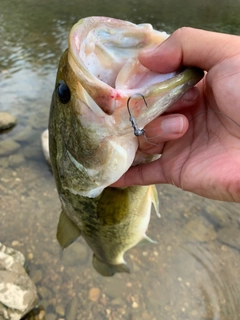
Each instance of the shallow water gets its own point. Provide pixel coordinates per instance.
(193, 271)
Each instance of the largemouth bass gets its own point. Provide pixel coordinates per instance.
(91, 139)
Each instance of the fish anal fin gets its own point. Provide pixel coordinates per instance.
(108, 270)
(67, 232)
(155, 199)
(146, 240)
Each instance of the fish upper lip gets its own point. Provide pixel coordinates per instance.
(108, 97)
(100, 50)
(110, 78)
(119, 90)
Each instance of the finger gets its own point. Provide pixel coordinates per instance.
(190, 47)
(160, 130)
(145, 174)
(187, 100)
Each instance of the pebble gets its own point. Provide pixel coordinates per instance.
(103, 300)
(4, 163)
(114, 288)
(134, 305)
(15, 243)
(71, 311)
(30, 256)
(24, 135)
(32, 151)
(118, 302)
(36, 275)
(94, 294)
(200, 230)
(44, 293)
(44, 304)
(60, 310)
(8, 147)
(146, 316)
(16, 159)
(41, 315)
(194, 313)
(51, 316)
(75, 254)
(37, 121)
(7, 121)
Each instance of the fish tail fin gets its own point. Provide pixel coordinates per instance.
(109, 270)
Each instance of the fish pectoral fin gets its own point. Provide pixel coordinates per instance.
(155, 199)
(67, 232)
(146, 240)
(109, 270)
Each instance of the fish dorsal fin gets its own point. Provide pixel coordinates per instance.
(155, 199)
(146, 240)
(67, 232)
(108, 270)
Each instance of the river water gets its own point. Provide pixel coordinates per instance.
(193, 271)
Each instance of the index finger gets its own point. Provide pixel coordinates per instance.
(190, 47)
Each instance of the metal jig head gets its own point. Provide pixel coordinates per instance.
(138, 132)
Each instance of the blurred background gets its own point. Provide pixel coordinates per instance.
(193, 271)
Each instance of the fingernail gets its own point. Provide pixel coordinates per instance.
(148, 51)
(190, 95)
(172, 125)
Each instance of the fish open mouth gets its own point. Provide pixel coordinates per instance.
(107, 48)
(103, 54)
(102, 72)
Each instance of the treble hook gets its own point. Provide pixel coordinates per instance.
(138, 132)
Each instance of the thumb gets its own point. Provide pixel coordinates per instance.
(190, 47)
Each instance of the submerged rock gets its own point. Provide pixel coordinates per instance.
(8, 146)
(26, 134)
(17, 292)
(15, 159)
(71, 311)
(7, 121)
(32, 151)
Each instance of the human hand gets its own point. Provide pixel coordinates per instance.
(205, 157)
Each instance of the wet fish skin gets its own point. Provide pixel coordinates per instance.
(107, 222)
(113, 223)
(92, 143)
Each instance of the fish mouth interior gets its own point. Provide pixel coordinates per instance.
(108, 53)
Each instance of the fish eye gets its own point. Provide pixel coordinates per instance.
(63, 91)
